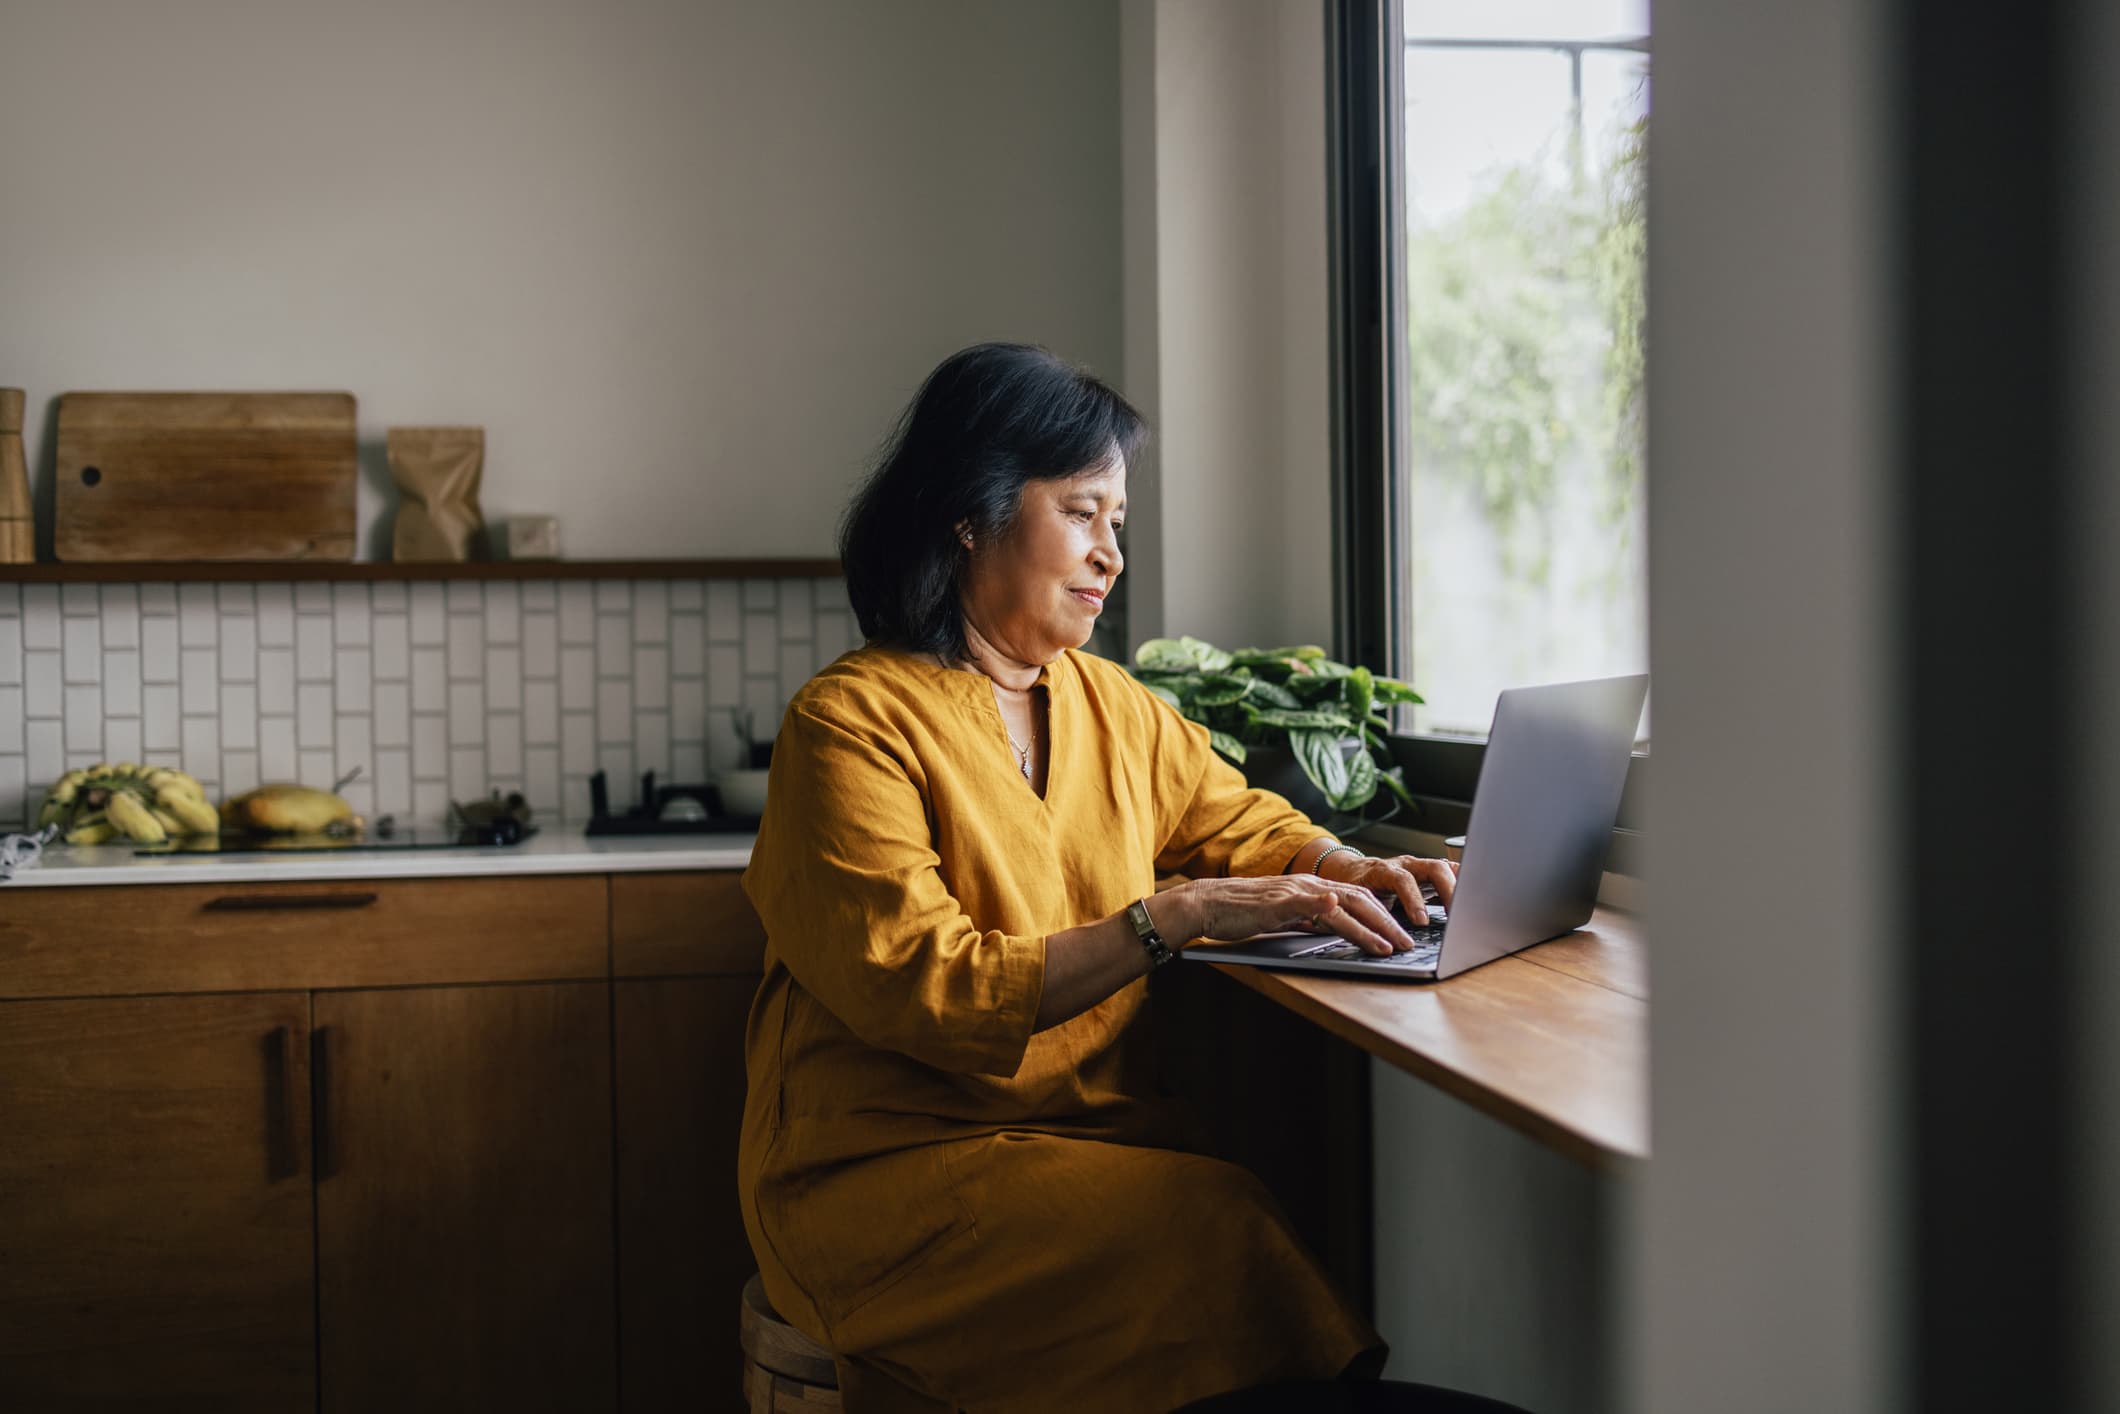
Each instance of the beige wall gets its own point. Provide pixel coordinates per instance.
(683, 260)
(1227, 316)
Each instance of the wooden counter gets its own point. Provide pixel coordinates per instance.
(1553, 1041)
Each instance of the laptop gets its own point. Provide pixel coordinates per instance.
(1542, 818)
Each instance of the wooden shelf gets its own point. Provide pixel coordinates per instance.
(140, 571)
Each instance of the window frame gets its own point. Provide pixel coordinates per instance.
(1365, 108)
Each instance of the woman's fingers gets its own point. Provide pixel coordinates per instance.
(1362, 919)
(1439, 872)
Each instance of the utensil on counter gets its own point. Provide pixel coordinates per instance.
(205, 476)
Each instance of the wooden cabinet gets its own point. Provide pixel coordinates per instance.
(464, 1243)
(156, 1241)
(451, 1144)
(687, 952)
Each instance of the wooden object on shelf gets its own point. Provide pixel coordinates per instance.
(366, 570)
(18, 533)
(205, 476)
(437, 472)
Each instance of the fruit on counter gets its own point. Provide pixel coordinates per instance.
(290, 809)
(113, 800)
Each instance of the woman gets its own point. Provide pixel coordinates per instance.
(955, 1170)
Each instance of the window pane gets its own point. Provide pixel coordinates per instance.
(1523, 532)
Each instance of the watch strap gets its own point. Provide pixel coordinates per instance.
(1159, 952)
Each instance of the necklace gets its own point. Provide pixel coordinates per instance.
(1023, 755)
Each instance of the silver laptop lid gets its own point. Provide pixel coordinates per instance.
(1542, 816)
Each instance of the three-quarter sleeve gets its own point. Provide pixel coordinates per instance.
(1212, 821)
(847, 881)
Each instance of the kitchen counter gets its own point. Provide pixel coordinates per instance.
(552, 851)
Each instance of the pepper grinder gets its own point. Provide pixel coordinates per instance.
(18, 540)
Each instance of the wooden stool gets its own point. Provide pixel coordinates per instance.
(784, 1371)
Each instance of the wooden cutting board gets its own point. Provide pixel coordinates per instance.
(205, 476)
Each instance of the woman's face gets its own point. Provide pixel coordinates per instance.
(1039, 590)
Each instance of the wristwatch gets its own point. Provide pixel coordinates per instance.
(1159, 952)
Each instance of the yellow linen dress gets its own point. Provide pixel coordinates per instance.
(995, 1219)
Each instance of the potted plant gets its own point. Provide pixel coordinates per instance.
(1297, 722)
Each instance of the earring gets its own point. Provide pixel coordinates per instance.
(967, 539)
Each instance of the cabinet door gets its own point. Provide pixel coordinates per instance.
(156, 1238)
(683, 1256)
(464, 1198)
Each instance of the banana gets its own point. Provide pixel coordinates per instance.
(170, 823)
(130, 814)
(197, 816)
(289, 809)
(95, 833)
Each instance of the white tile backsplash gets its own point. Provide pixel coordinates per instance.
(41, 681)
(202, 680)
(276, 680)
(312, 716)
(435, 689)
(121, 685)
(84, 649)
(393, 647)
(724, 612)
(312, 647)
(84, 718)
(158, 650)
(430, 680)
(239, 648)
(121, 616)
(467, 713)
(198, 615)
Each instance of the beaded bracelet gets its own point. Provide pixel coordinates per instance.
(1317, 865)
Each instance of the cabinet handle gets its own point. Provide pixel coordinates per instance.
(280, 1161)
(229, 903)
(327, 1160)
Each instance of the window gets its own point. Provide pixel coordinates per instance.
(1518, 549)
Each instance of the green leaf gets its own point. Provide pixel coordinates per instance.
(1163, 655)
(1390, 780)
(1318, 689)
(1361, 783)
(1327, 668)
(1389, 690)
(1361, 689)
(1228, 745)
(1312, 720)
(1207, 657)
(1166, 694)
(1253, 657)
(1220, 689)
(1273, 694)
(1319, 755)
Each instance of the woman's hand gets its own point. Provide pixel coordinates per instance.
(1231, 909)
(1402, 875)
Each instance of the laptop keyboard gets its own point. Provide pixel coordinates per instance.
(1427, 947)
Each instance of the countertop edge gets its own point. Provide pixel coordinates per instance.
(77, 869)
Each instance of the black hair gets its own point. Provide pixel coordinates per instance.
(987, 422)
